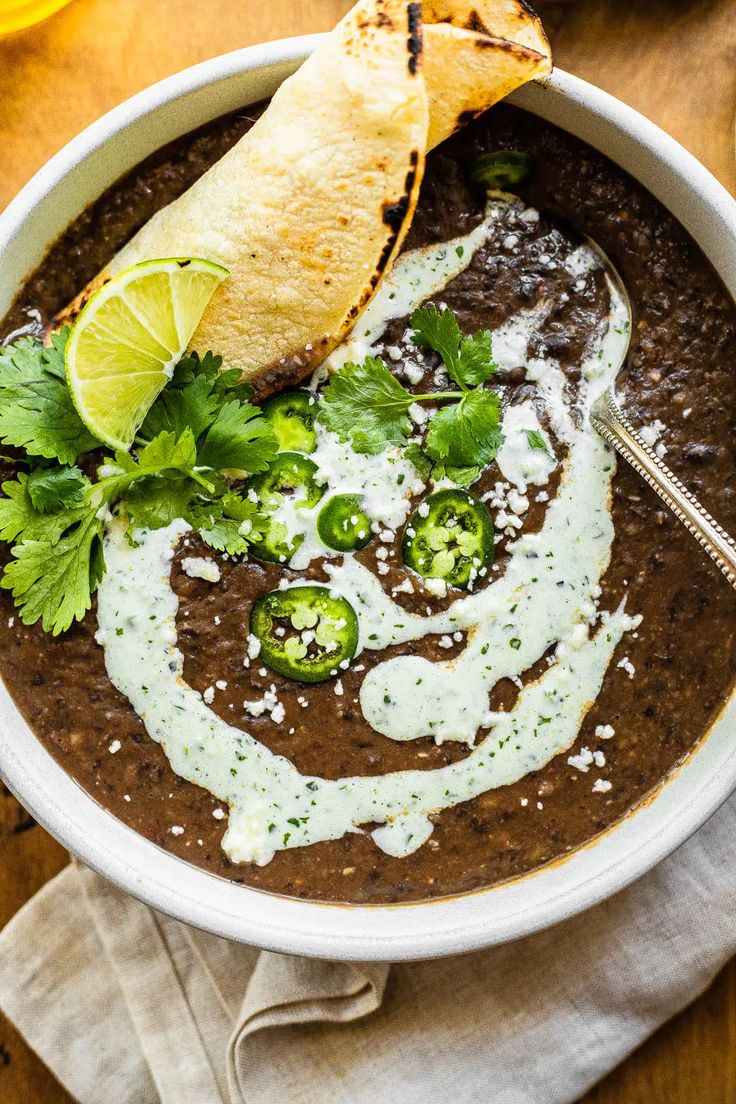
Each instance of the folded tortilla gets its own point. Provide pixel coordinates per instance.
(309, 209)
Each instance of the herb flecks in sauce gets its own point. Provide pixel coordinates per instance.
(550, 582)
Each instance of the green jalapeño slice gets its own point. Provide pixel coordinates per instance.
(449, 536)
(291, 415)
(343, 524)
(288, 485)
(307, 633)
(502, 170)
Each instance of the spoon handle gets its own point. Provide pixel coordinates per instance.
(609, 420)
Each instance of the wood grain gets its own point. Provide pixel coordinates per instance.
(674, 60)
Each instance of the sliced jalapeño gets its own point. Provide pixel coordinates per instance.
(307, 633)
(342, 523)
(450, 537)
(502, 170)
(288, 485)
(291, 415)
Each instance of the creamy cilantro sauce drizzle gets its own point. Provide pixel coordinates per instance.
(544, 603)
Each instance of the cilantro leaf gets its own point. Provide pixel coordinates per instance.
(226, 384)
(475, 362)
(52, 580)
(36, 409)
(192, 400)
(239, 524)
(419, 459)
(56, 488)
(365, 404)
(156, 501)
(469, 360)
(192, 365)
(165, 451)
(467, 434)
(19, 515)
(193, 407)
(535, 440)
(438, 330)
(464, 477)
(239, 439)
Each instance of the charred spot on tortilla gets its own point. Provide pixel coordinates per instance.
(491, 43)
(467, 117)
(414, 41)
(394, 213)
(475, 23)
(380, 18)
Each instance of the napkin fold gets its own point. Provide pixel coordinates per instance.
(127, 1005)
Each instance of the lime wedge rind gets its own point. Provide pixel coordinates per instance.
(127, 329)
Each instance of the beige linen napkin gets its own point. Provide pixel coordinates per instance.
(126, 1005)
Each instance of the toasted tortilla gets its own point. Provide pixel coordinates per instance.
(509, 19)
(310, 206)
(309, 209)
(476, 52)
(467, 72)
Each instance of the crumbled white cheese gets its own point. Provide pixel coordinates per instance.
(269, 703)
(599, 758)
(582, 761)
(650, 434)
(176, 830)
(209, 695)
(114, 746)
(602, 785)
(404, 587)
(437, 587)
(218, 813)
(196, 567)
(413, 372)
(627, 666)
(605, 732)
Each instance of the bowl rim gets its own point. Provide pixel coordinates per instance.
(413, 930)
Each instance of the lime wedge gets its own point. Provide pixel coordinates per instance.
(126, 341)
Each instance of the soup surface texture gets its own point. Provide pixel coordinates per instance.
(479, 696)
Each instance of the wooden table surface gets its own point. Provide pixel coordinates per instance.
(674, 60)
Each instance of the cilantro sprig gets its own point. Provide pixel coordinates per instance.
(367, 405)
(199, 439)
(36, 410)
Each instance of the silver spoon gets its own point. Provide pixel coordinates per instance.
(609, 419)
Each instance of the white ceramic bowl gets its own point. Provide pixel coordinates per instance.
(56, 195)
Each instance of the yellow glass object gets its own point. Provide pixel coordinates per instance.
(17, 14)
